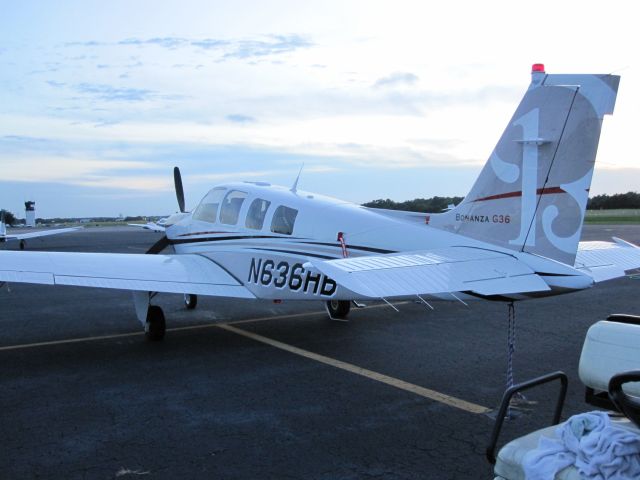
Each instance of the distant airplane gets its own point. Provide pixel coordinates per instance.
(4, 237)
(515, 235)
(155, 226)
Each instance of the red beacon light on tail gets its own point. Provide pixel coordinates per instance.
(537, 68)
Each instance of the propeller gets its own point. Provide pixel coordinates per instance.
(159, 245)
(177, 179)
(164, 241)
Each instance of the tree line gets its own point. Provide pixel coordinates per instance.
(8, 217)
(431, 205)
(619, 200)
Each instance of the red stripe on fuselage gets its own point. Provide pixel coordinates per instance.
(201, 233)
(540, 191)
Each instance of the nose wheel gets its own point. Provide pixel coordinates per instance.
(190, 301)
(155, 327)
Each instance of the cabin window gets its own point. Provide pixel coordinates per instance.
(257, 212)
(283, 220)
(207, 211)
(231, 207)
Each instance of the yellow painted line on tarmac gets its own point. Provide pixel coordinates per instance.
(174, 329)
(229, 326)
(69, 340)
(379, 377)
(139, 333)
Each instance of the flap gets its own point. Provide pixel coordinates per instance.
(452, 269)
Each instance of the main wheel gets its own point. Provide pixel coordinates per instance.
(338, 308)
(156, 326)
(190, 301)
(22, 244)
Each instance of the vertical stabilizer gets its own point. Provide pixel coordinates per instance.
(532, 193)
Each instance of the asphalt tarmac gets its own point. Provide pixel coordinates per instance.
(256, 390)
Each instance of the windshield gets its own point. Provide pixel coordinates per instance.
(207, 211)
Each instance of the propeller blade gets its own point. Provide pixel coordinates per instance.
(177, 179)
(159, 246)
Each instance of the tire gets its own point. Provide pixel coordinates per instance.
(190, 301)
(156, 326)
(22, 244)
(338, 308)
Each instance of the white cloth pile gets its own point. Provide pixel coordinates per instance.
(597, 449)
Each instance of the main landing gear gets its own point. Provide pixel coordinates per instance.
(152, 316)
(155, 326)
(338, 309)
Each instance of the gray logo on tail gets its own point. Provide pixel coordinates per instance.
(532, 193)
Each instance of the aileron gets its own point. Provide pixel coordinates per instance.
(194, 274)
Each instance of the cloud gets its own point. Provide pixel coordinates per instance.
(239, 118)
(210, 43)
(114, 94)
(273, 45)
(397, 78)
(88, 43)
(166, 42)
(76, 170)
(229, 49)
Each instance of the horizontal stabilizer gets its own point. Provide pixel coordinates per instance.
(193, 274)
(607, 260)
(454, 269)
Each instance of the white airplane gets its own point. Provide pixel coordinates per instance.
(154, 226)
(515, 235)
(5, 237)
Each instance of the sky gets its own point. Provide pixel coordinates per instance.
(395, 99)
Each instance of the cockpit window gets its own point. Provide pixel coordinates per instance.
(283, 220)
(207, 211)
(257, 211)
(231, 207)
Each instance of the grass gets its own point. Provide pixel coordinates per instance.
(612, 217)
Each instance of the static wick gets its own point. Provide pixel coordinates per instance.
(459, 299)
(385, 301)
(425, 302)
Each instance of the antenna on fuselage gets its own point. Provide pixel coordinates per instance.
(294, 189)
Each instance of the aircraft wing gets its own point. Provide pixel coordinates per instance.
(191, 273)
(452, 269)
(41, 233)
(607, 260)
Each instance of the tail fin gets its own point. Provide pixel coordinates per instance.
(532, 193)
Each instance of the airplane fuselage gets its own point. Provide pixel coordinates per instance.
(272, 258)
